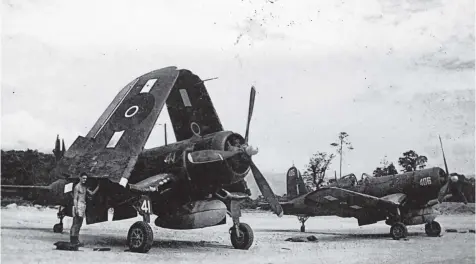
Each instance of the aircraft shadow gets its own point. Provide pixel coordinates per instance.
(332, 236)
(120, 241)
(179, 244)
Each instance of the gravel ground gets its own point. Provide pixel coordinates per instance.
(27, 237)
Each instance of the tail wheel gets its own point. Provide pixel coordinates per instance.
(433, 229)
(244, 239)
(140, 237)
(398, 231)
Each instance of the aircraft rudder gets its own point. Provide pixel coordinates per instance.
(291, 182)
(302, 189)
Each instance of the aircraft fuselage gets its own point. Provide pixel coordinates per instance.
(420, 187)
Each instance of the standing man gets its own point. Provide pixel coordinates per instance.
(79, 209)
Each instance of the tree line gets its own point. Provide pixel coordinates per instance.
(30, 167)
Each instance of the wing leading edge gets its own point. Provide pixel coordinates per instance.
(112, 146)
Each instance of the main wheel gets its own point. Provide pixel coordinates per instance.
(58, 228)
(244, 239)
(140, 237)
(303, 228)
(398, 230)
(433, 229)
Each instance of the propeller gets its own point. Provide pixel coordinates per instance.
(453, 184)
(206, 156)
(258, 176)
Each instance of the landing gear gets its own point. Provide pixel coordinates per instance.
(433, 229)
(58, 228)
(140, 237)
(241, 236)
(398, 231)
(303, 220)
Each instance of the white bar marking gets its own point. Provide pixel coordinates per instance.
(123, 182)
(148, 85)
(114, 139)
(355, 207)
(68, 187)
(185, 98)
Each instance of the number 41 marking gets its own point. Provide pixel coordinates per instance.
(145, 206)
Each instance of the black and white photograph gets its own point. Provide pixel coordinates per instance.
(240, 131)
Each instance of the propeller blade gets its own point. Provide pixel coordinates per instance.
(443, 191)
(266, 190)
(444, 159)
(250, 111)
(461, 194)
(206, 156)
(458, 188)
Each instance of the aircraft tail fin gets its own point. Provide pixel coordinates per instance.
(295, 183)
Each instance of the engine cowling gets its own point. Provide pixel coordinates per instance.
(224, 172)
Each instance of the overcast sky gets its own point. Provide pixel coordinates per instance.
(392, 74)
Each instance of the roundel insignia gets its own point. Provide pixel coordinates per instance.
(195, 128)
(292, 172)
(132, 111)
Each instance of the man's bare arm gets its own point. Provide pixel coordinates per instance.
(95, 190)
(75, 197)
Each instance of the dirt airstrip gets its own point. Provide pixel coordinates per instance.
(27, 237)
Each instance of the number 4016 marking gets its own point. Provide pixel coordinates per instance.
(425, 181)
(145, 206)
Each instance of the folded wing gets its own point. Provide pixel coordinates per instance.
(111, 147)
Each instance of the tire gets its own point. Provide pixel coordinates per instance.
(140, 237)
(246, 237)
(303, 228)
(58, 228)
(398, 231)
(433, 229)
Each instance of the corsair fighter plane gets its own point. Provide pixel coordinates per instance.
(193, 183)
(401, 199)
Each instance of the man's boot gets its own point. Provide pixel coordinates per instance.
(74, 240)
